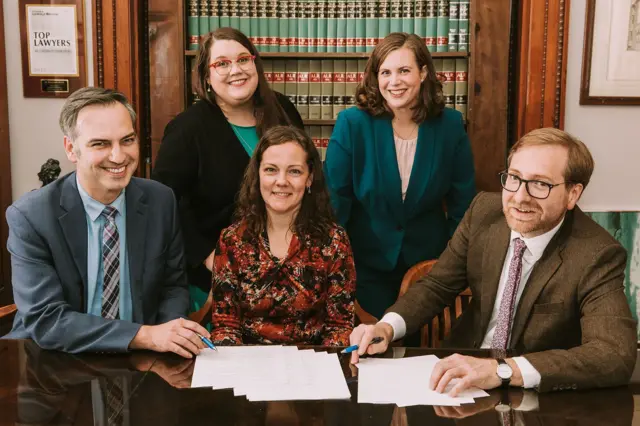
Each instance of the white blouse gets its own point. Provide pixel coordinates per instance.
(405, 152)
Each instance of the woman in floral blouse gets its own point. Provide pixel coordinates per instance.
(284, 272)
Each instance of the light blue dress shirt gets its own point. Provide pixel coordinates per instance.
(95, 225)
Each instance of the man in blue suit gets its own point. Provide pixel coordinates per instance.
(97, 256)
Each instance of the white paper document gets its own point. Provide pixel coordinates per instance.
(405, 382)
(271, 373)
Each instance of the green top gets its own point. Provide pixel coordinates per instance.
(248, 137)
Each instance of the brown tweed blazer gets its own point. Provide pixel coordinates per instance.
(573, 322)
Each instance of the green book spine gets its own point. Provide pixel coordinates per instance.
(234, 12)
(384, 23)
(361, 26)
(463, 26)
(332, 25)
(396, 16)
(278, 76)
(214, 15)
(326, 136)
(431, 25)
(283, 25)
(315, 133)
(267, 66)
(203, 18)
(362, 64)
(272, 13)
(303, 88)
(341, 23)
(263, 26)
(442, 42)
(253, 22)
(339, 85)
(291, 81)
(225, 18)
(293, 26)
(351, 83)
(408, 15)
(437, 64)
(461, 87)
(193, 30)
(351, 26)
(322, 25)
(326, 110)
(303, 26)
(454, 19)
(245, 19)
(419, 19)
(315, 90)
(448, 84)
(371, 25)
(312, 16)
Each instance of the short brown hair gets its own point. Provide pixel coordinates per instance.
(580, 163)
(368, 96)
(315, 217)
(268, 110)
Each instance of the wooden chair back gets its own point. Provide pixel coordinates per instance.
(6, 318)
(439, 328)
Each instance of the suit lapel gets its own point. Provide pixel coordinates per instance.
(74, 227)
(542, 272)
(136, 233)
(495, 252)
(422, 167)
(388, 165)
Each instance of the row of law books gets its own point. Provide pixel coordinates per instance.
(332, 25)
(320, 136)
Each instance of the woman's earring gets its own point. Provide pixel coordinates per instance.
(309, 189)
(208, 88)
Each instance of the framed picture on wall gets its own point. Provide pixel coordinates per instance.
(53, 47)
(611, 55)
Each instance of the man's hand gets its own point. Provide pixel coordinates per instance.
(467, 410)
(470, 371)
(208, 262)
(362, 336)
(178, 336)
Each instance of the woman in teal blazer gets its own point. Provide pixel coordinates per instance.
(399, 169)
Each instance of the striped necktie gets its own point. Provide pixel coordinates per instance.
(110, 265)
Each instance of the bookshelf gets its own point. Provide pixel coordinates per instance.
(485, 55)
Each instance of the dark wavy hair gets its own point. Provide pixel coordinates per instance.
(368, 96)
(315, 217)
(268, 110)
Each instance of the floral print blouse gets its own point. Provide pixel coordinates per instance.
(305, 298)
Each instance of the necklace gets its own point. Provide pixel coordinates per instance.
(395, 132)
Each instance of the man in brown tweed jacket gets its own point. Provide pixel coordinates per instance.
(546, 281)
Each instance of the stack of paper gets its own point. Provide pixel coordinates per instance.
(271, 373)
(405, 382)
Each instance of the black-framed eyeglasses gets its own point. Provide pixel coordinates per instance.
(535, 188)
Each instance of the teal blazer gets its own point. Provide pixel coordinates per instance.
(362, 174)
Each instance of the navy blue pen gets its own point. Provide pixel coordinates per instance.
(355, 347)
(207, 342)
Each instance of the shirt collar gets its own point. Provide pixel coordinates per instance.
(93, 207)
(537, 245)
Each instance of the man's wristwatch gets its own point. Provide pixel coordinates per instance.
(504, 372)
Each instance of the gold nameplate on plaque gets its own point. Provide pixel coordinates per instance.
(57, 85)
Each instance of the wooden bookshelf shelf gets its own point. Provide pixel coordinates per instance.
(335, 55)
(319, 122)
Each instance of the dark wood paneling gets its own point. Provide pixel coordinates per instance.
(488, 81)
(6, 295)
(542, 64)
(166, 66)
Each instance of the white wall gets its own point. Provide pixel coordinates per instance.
(612, 133)
(33, 122)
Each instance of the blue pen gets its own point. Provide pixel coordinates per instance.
(207, 342)
(355, 347)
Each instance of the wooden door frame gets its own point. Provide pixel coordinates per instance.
(6, 293)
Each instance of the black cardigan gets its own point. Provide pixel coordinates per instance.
(203, 161)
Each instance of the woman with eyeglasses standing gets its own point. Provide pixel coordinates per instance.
(206, 148)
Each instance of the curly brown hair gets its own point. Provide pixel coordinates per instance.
(268, 110)
(368, 96)
(315, 218)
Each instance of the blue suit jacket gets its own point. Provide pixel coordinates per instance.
(361, 168)
(48, 246)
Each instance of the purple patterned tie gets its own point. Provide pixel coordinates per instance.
(505, 314)
(110, 265)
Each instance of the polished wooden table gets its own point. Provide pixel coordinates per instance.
(45, 387)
